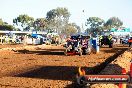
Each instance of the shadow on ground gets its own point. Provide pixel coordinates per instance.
(115, 50)
(60, 73)
(41, 52)
(66, 72)
(51, 72)
(98, 68)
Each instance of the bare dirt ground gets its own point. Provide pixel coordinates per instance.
(45, 66)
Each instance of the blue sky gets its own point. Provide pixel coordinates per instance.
(104, 9)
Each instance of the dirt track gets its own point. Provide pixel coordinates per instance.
(46, 66)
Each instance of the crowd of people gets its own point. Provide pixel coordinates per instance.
(56, 39)
(112, 39)
(7, 39)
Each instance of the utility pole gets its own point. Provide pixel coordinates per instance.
(82, 27)
(83, 20)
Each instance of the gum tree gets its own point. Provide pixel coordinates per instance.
(24, 21)
(95, 25)
(113, 22)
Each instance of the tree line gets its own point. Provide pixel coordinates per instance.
(57, 20)
(96, 25)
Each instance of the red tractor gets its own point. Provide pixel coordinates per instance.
(78, 44)
(73, 46)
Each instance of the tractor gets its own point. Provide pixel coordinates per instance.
(78, 44)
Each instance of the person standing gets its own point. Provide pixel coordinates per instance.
(110, 41)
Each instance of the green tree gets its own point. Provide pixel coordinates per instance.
(5, 26)
(94, 25)
(113, 22)
(24, 21)
(70, 29)
(76, 27)
(57, 19)
(40, 24)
